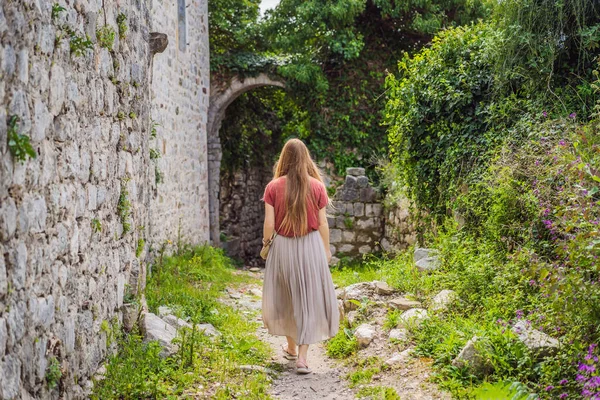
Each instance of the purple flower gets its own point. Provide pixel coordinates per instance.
(532, 282)
(573, 115)
(563, 396)
(563, 382)
(562, 143)
(544, 113)
(549, 388)
(519, 314)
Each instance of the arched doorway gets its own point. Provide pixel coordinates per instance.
(222, 96)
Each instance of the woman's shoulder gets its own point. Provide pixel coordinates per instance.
(315, 183)
(277, 181)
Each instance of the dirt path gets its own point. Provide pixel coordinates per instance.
(327, 380)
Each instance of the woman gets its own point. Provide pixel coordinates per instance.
(299, 300)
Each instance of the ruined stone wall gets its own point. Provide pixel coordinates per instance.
(355, 222)
(399, 232)
(65, 258)
(180, 100)
(242, 212)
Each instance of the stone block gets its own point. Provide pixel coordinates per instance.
(367, 195)
(537, 341)
(155, 328)
(348, 236)
(403, 304)
(412, 317)
(442, 300)
(355, 171)
(3, 337)
(3, 275)
(373, 210)
(358, 209)
(57, 89)
(346, 248)
(331, 222)
(10, 370)
(32, 214)
(349, 195)
(362, 182)
(335, 236)
(365, 249)
(18, 266)
(470, 357)
(398, 334)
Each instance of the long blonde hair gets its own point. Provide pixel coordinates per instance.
(296, 164)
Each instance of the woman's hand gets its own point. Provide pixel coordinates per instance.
(328, 253)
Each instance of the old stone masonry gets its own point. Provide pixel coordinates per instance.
(103, 153)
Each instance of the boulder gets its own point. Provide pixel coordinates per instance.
(155, 328)
(469, 357)
(401, 303)
(383, 289)
(130, 315)
(398, 358)
(414, 316)
(537, 341)
(442, 300)
(398, 334)
(428, 264)
(426, 259)
(364, 335)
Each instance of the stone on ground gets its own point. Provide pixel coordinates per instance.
(414, 316)
(256, 292)
(164, 310)
(352, 317)
(356, 292)
(398, 334)
(537, 341)
(426, 259)
(398, 358)
(469, 357)
(364, 335)
(254, 269)
(208, 330)
(257, 368)
(442, 300)
(175, 322)
(401, 303)
(383, 288)
(155, 328)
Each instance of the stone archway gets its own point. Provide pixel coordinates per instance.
(222, 95)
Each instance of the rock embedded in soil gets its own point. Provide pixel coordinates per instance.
(426, 259)
(364, 335)
(535, 340)
(254, 269)
(155, 328)
(164, 310)
(442, 300)
(470, 357)
(383, 289)
(352, 317)
(398, 334)
(357, 292)
(208, 330)
(414, 316)
(398, 358)
(401, 303)
(256, 292)
(175, 322)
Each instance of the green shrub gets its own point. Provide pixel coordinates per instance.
(343, 344)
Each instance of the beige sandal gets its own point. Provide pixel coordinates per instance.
(302, 368)
(287, 355)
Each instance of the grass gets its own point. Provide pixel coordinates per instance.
(190, 284)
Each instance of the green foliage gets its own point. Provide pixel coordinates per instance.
(96, 225)
(153, 130)
(106, 37)
(378, 393)
(349, 222)
(122, 25)
(343, 344)
(154, 154)
(140, 247)
(79, 45)
(132, 115)
(18, 144)
(366, 369)
(56, 10)
(124, 207)
(53, 372)
(158, 175)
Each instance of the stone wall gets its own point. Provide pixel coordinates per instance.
(399, 231)
(67, 257)
(180, 96)
(356, 220)
(242, 213)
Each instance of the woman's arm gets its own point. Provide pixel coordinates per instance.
(269, 225)
(324, 231)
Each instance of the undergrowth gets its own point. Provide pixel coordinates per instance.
(190, 284)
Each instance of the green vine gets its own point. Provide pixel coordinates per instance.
(18, 144)
(56, 10)
(124, 207)
(106, 37)
(122, 25)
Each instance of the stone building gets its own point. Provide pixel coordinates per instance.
(80, 80)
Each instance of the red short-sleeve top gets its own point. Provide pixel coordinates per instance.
(275, 196)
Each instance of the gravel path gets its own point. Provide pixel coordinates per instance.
(327, 380)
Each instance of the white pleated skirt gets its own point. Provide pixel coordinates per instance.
(298, 295)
